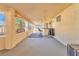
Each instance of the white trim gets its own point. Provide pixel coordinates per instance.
(65, 44)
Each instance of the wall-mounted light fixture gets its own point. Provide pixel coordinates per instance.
(58, 18)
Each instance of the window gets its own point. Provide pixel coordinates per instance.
(2, 23)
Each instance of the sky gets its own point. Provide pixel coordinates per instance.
(2, 18)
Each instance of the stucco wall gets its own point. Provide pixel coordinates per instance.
(67, 30)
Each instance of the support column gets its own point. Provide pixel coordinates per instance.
(10, 29)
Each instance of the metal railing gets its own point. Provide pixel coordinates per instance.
(73, 49)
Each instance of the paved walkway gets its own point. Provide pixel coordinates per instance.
(37, 46)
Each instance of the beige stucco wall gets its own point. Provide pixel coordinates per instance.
(67, 30)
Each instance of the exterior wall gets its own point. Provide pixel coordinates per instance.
(67, 30)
